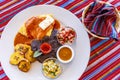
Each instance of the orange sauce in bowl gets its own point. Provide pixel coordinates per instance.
(65, 53)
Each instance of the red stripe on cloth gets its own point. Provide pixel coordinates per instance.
(53, 2)
(118, 8)
(94, 41)
(79, 15)
(1, 71)
(107, 69)
(114, 2)
(62, 2)
(90, 36)
(5, 78)
(72, 4)
(104, 0)
(100, 55)
(113, 75)
(100, 47)
(15, 11)
(14, 8)
(4, 2)
(8, 4)
(99, 64)
(43, 1)
(82, 6)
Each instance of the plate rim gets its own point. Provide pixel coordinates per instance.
(2, 38)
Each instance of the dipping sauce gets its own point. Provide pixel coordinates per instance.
(45, 48)
(65, 53)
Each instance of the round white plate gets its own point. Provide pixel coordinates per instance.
(71, 71)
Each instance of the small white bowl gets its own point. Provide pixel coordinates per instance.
(71, 58)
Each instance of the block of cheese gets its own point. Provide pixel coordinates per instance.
(46, 22)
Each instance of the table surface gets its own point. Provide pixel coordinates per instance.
(104, 62)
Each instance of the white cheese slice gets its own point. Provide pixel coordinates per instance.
(47, 22)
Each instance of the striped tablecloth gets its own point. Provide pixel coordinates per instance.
(104, 63)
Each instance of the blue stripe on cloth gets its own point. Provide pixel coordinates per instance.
(114, 33)
(98, 44)
(66, 3)
(2, 75)
(22, 7)
(83, 2)
(94, 26)
(2, 1)
(99, 69)
(7, 19)
(100, 52)
(114, 70)
(117, 4)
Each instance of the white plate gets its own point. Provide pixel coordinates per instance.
(72, 71)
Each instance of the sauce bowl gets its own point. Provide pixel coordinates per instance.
(65, 54)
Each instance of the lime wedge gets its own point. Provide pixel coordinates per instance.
(36, 54)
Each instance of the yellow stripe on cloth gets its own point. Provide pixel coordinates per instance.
(106, 73)
(8, 4)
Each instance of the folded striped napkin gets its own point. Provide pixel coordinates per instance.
(101, 19)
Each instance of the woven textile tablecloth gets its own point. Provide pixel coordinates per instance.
(104, 62)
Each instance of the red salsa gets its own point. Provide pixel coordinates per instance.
(45, 48)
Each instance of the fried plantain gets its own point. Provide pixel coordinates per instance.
(22, 48)
(24, 65)
(16, 58)
(29, 56)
